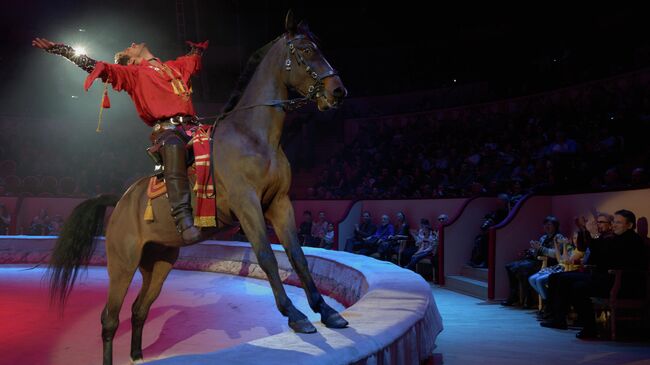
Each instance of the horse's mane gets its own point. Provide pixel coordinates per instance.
(253, 61)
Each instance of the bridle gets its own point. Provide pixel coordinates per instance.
(312, 92)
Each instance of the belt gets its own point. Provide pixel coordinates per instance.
(173, 122)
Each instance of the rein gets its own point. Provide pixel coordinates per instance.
(313, 91)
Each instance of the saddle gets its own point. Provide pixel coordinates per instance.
(199, 174)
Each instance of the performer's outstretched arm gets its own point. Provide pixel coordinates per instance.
(86, 63)
(120, 77)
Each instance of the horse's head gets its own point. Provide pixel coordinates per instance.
(309, 73)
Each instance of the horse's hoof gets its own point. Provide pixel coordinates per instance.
(334, 320)
(137, 361)
(302, 326)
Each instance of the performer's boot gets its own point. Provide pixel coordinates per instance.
(178, 192)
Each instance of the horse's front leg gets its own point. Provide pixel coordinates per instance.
(281, 214)
(251, 219)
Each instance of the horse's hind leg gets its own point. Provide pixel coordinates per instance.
(281, 214)
(155, 265)
(120, 276)
(250, 216)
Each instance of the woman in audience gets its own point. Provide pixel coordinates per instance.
(427, 243)
(568, 257)
(519, 271)
(328, 239)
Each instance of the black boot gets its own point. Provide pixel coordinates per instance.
(178, 192)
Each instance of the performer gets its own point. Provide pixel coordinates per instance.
(161, 92)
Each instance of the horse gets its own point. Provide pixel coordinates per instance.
(252, 178)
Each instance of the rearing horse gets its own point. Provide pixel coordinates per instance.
(252, 177)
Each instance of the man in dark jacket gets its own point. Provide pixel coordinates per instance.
(361, 233)
(624, 250)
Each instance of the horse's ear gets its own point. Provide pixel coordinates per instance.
(290, 23)
(303, 27)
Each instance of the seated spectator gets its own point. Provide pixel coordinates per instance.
(568, 256)
(40, 224)
(384, 230)
(624, 250)
(56, 223)
(318, 230)
(390, 246)
(427, 243)
(519, 271)
(5, 220)
(304, 231)
(583, 239)
(361, 232)
(328, 239)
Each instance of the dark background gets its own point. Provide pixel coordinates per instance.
(378, 50)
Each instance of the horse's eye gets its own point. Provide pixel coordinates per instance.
(307, 50)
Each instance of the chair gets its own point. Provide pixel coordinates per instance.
(544, 260)
(624, 309)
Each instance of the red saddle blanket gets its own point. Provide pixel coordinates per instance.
(205, 210)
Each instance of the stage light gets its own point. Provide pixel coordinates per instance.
(79, 50)
(454, 80)
(82, 30)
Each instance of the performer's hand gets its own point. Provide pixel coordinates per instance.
(42, 43)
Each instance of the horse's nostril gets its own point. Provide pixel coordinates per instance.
(339, 93)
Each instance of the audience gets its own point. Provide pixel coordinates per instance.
(427, 243)
(328, 239)
(361, 233)
(384, 230)
(40, 225)
(623, 250)
(519, 271)
(390, 246)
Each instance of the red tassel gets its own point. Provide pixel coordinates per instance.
(106, 102)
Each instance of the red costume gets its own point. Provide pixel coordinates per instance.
(155, 94)
(162, 98)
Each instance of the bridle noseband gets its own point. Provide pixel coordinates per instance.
(312, 93)
(314, 90)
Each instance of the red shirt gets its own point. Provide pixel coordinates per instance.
(151, 90)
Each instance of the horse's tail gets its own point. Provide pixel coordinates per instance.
(76, 244)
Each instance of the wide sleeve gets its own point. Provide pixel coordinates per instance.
(190, 64)
(120, 77)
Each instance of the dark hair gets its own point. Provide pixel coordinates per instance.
(122, 59)
(425, 222)
(553, 220)
(307, 212)
(629, 216)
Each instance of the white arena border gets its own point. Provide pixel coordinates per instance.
(392, 313)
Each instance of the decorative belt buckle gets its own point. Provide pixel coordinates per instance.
(173, 121)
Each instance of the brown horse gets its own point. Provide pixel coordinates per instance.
(252, 177)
